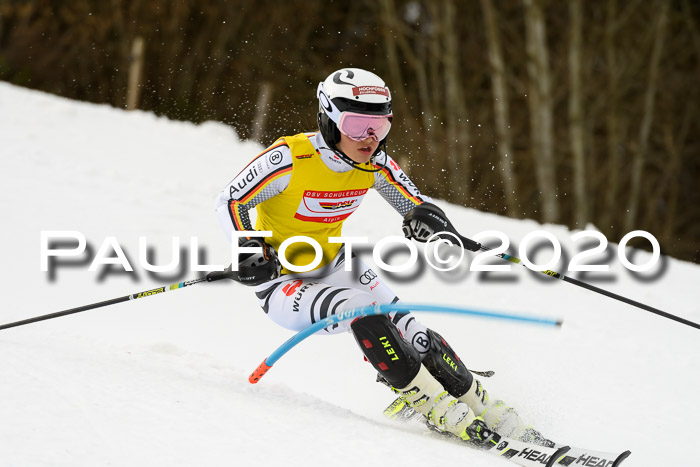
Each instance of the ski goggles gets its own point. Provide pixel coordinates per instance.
(359, 127)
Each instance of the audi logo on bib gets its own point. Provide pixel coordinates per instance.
(367, 277)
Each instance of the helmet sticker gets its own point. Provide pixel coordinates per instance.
(323, 99)
(349, 74)
(362, 90)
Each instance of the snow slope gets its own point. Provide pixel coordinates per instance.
(163, 381)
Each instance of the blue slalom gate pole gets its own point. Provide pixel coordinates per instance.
(384, 309)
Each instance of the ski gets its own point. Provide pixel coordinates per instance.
(588, 458)
(523, 453)
(518, 452)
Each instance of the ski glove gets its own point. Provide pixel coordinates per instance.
(425, 220)
(257, 268)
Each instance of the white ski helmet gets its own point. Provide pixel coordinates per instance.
(351, 91)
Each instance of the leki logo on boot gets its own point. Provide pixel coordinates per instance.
(389, 349)
(449, 361)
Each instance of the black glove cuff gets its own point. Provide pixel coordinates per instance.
(430, 215)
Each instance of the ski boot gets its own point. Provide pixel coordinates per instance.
(443, 412)
(451, 372)
(500, 417)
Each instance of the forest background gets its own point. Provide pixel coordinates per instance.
(564, 111)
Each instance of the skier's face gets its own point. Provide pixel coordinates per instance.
(358, 151)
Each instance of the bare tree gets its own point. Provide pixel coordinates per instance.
(612, 121)
(639, 161)
(459, 153)
(419, 66)
(389, 32)
(541, 109)
(262, 108)
(576, 119)
(500, 105)
(133, 90)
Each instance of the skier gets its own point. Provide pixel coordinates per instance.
(307, 185)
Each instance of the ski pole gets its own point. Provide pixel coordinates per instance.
(386, 309)
(474, 246)
(212, 276)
